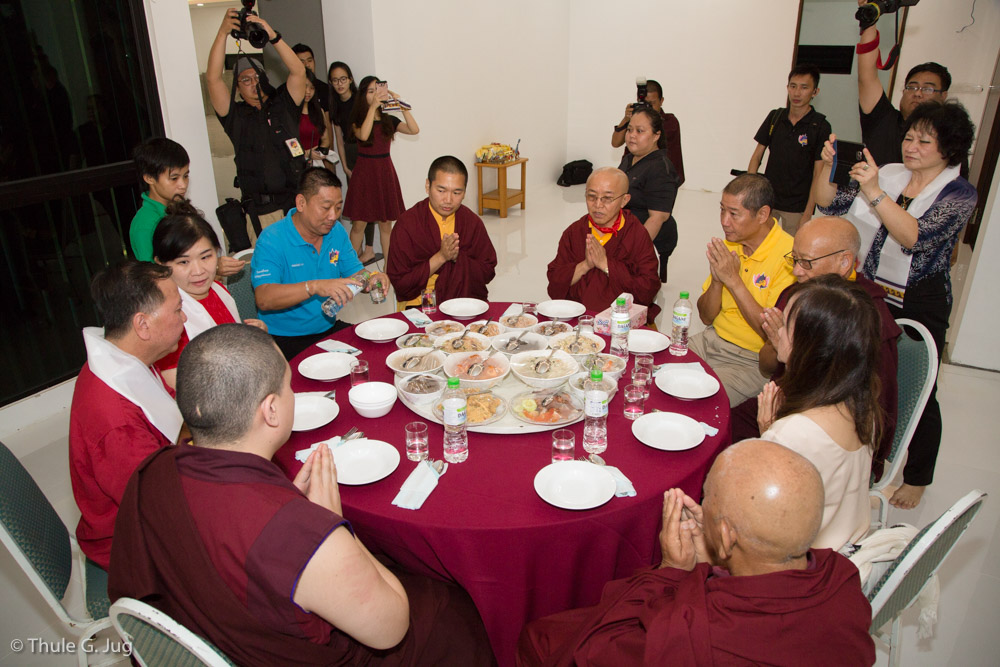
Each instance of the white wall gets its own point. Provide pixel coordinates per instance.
(347, 27)
(205, 23)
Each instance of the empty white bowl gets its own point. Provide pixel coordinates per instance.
(373, 399)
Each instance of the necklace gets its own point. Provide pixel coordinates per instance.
(905, 201)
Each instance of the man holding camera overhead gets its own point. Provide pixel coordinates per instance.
(881, 123)
(264, 126)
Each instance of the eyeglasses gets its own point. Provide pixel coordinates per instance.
(926, 90)
(247, 80)
(603, 201)
(807, 264)
(340, 79)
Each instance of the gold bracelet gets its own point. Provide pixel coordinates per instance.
(308, 291)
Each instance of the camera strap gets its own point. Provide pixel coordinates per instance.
(868, 47)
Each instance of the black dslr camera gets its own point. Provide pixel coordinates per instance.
(867, 15)
(640, 95)
(252, 32)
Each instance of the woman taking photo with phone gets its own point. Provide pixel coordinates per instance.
(374, 194)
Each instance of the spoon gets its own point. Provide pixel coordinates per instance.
(515, 342)
(542, 366)
(544, 403)
(483, 328)
(574, 347)
(457, 343)
(332, 395)
(412, 340)
(412, 362)
(596, 460)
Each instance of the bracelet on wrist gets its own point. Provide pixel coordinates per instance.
(621, 128)
(308, 291)
(277, 37)
(878, 200)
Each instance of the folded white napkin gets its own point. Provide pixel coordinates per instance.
(416, 316)
(418, 486)
(709, 430)
(337, 346)
(623, 485)
(512, 309)
(303, 454)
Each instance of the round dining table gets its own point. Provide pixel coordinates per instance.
(485, 528)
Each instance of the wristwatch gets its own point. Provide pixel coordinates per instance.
(875, 202)
(277, 37)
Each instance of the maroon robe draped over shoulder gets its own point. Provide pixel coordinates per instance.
(632, 267)
(230, 574)
(416, 237)
(816, 616)
(744, 416)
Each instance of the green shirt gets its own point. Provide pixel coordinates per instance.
(140, 234)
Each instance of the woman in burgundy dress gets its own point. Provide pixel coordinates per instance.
(374, 195)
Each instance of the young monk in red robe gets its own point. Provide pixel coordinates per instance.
(606, 252)
(265, 568)
(439, 244)
(738, 583)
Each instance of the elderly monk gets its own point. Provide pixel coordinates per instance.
(439, 244)
(737, 584)
(122, 408)
(823, 246)
(607, 251)
(268, 569)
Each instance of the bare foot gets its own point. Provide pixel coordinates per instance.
(907, 497)
(366, 255)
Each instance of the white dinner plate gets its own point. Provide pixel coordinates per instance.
(313, 410)
(647, 341)
(364, 461)
(561, 309)
(327, 366)
(574, 485)
(464, 309)
(686, 383)
(382, 329)
(668, 431)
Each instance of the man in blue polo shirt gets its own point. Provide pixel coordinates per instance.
(303, 260)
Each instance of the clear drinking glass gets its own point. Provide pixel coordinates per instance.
(428, 302)
(359, 372)
(644, 361)
(586, 323)
(563, 445)
(642, 377)
(416, 441)
(635, 399)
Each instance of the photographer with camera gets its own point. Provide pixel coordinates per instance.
(881, 123)
(649, 93)
(264, 126)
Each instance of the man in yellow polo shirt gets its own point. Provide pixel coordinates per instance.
(748, 272)
(439, 244)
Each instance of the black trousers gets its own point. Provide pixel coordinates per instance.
(926, 302)
(292, 346)
(665, 242)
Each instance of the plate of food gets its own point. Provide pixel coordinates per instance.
(415, 340)
(519, 322)
(668, 431)
(561, 309)
(327, 366)
(647, 341)
(686, 383)
(443, 328)
(574, 485)
(421, 389)
(477, 370)
(489, 328)
(464, 308)
(587, 344)
(526, 342)
(530, 369)
(609, 364)
(416, 360)
(548, 407)
(470, 342)
(381, 329)
(364, 461)
(551, 328)
(482, 408)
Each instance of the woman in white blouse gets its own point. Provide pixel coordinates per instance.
(825, 405)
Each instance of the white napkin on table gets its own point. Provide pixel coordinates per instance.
(416, 316)
(303, 454)
(623, 485)
(418, 486)
(337, 346)
(512, 309)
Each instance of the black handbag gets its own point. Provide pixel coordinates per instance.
(575, 173)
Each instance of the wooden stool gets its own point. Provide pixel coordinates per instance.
(501, 198)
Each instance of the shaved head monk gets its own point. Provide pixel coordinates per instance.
(607, 251)
(737, 583)
(823, 246)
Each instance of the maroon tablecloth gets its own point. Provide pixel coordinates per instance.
(485, 528)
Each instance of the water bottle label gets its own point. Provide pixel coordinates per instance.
(596, 403)
(454, 412)
(681, 319)
(620, 324)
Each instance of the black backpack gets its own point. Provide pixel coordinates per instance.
(575, 173)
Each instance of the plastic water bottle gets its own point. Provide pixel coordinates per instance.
(456, 439)
(680, 324)
(620, 323)
(331, 307)
(595, 428)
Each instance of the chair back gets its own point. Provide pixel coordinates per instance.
(915, 376)
(241, 289)
(32, 531)
(902, 582)
(157, 639)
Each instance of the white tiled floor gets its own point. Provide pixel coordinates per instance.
(525, 242)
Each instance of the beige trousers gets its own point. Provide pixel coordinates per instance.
(735, 366)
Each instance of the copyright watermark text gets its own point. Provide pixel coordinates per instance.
(39, 646)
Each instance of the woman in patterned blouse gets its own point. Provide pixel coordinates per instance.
(910, 217)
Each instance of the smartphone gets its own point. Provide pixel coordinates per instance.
(381, 87)
(846, 154)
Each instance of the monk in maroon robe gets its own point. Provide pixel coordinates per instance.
(606, 252)
(738, 583)
(822, 246)
(266, 569)
(440, 244)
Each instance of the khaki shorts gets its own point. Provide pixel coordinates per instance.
(735, 366)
